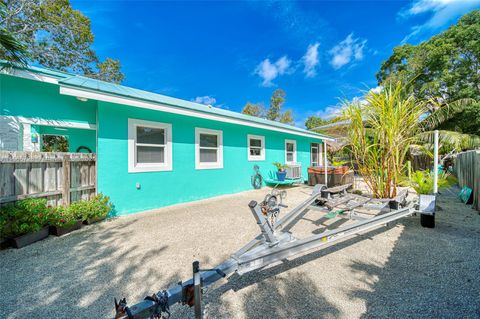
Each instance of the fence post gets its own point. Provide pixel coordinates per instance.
(66, 179)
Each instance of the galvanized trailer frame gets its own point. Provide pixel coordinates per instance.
(275, 243)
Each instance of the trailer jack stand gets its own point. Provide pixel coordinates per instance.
(197, 286)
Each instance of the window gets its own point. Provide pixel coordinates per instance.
(290, 151)
(54, 143)
(208, 149)
(149, 146)
(315, 159)
(256, 148)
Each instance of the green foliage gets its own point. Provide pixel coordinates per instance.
(276, 103)
(340, 163)
(11, 49)
(274, 112)
(57, 36)
(280, 167)
(30, 215)
(63, 216)
(315, 121)
(97, 207)
(422, 181)
(54, 143)
(254, 109)
(380, 132)
(287, 117)
(109, 71)
(23, 217)
(445, 68)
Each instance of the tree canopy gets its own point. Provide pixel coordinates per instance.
(445, 68)
(274, 112)
(57, 36)
(313, 122)
(254, 109)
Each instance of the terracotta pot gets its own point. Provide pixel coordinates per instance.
(62, 230)
(27, 239)
(93, 220)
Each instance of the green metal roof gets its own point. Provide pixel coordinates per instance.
(81, 82)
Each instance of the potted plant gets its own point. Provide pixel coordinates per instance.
(26, 221)
(96, 209)
(422, 182)
(63, 220)
(281, 171)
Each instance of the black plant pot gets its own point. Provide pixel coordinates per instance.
(27, 239)
(62, 230)
(5, 243)
(93, 220)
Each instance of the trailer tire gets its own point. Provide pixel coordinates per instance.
(427, 221)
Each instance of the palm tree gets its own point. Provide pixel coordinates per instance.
(450, 141)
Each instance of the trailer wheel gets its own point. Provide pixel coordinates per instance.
(427, 221)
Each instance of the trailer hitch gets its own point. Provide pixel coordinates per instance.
(159, 299)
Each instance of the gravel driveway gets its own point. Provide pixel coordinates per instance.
(403, 271)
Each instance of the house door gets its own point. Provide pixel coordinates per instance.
(315, 156)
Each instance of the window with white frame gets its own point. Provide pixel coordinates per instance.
(256, 148)
(149, 146)
(208, 149)
(290, 151)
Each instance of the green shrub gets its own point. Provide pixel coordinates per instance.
(422, 181)
(101, 206)
(23, 217)
(97, 207)
(62, 216)
(30, 215)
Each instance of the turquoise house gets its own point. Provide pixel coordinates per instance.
(152, 150)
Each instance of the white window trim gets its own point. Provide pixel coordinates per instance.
(260, 157)
(133, 166)
(219, 163)
(294, 151)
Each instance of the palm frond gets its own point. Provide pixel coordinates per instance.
(451, 140)
(443, 112)
(11, 49)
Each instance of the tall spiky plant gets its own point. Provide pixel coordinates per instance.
(380, 132)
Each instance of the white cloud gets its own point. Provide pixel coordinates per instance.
(377, 89)
(207, 100)
(335, 110)
(310, 60)
(348, 50)
(441, 12)
(269, 71)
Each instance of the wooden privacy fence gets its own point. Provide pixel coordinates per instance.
(467, 169)
(61, 178)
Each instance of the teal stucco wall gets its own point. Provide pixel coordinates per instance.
(184, 183)
(34, 99)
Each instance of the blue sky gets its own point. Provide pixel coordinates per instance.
(230, 53)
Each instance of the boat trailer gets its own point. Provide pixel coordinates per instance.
(275, 243)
